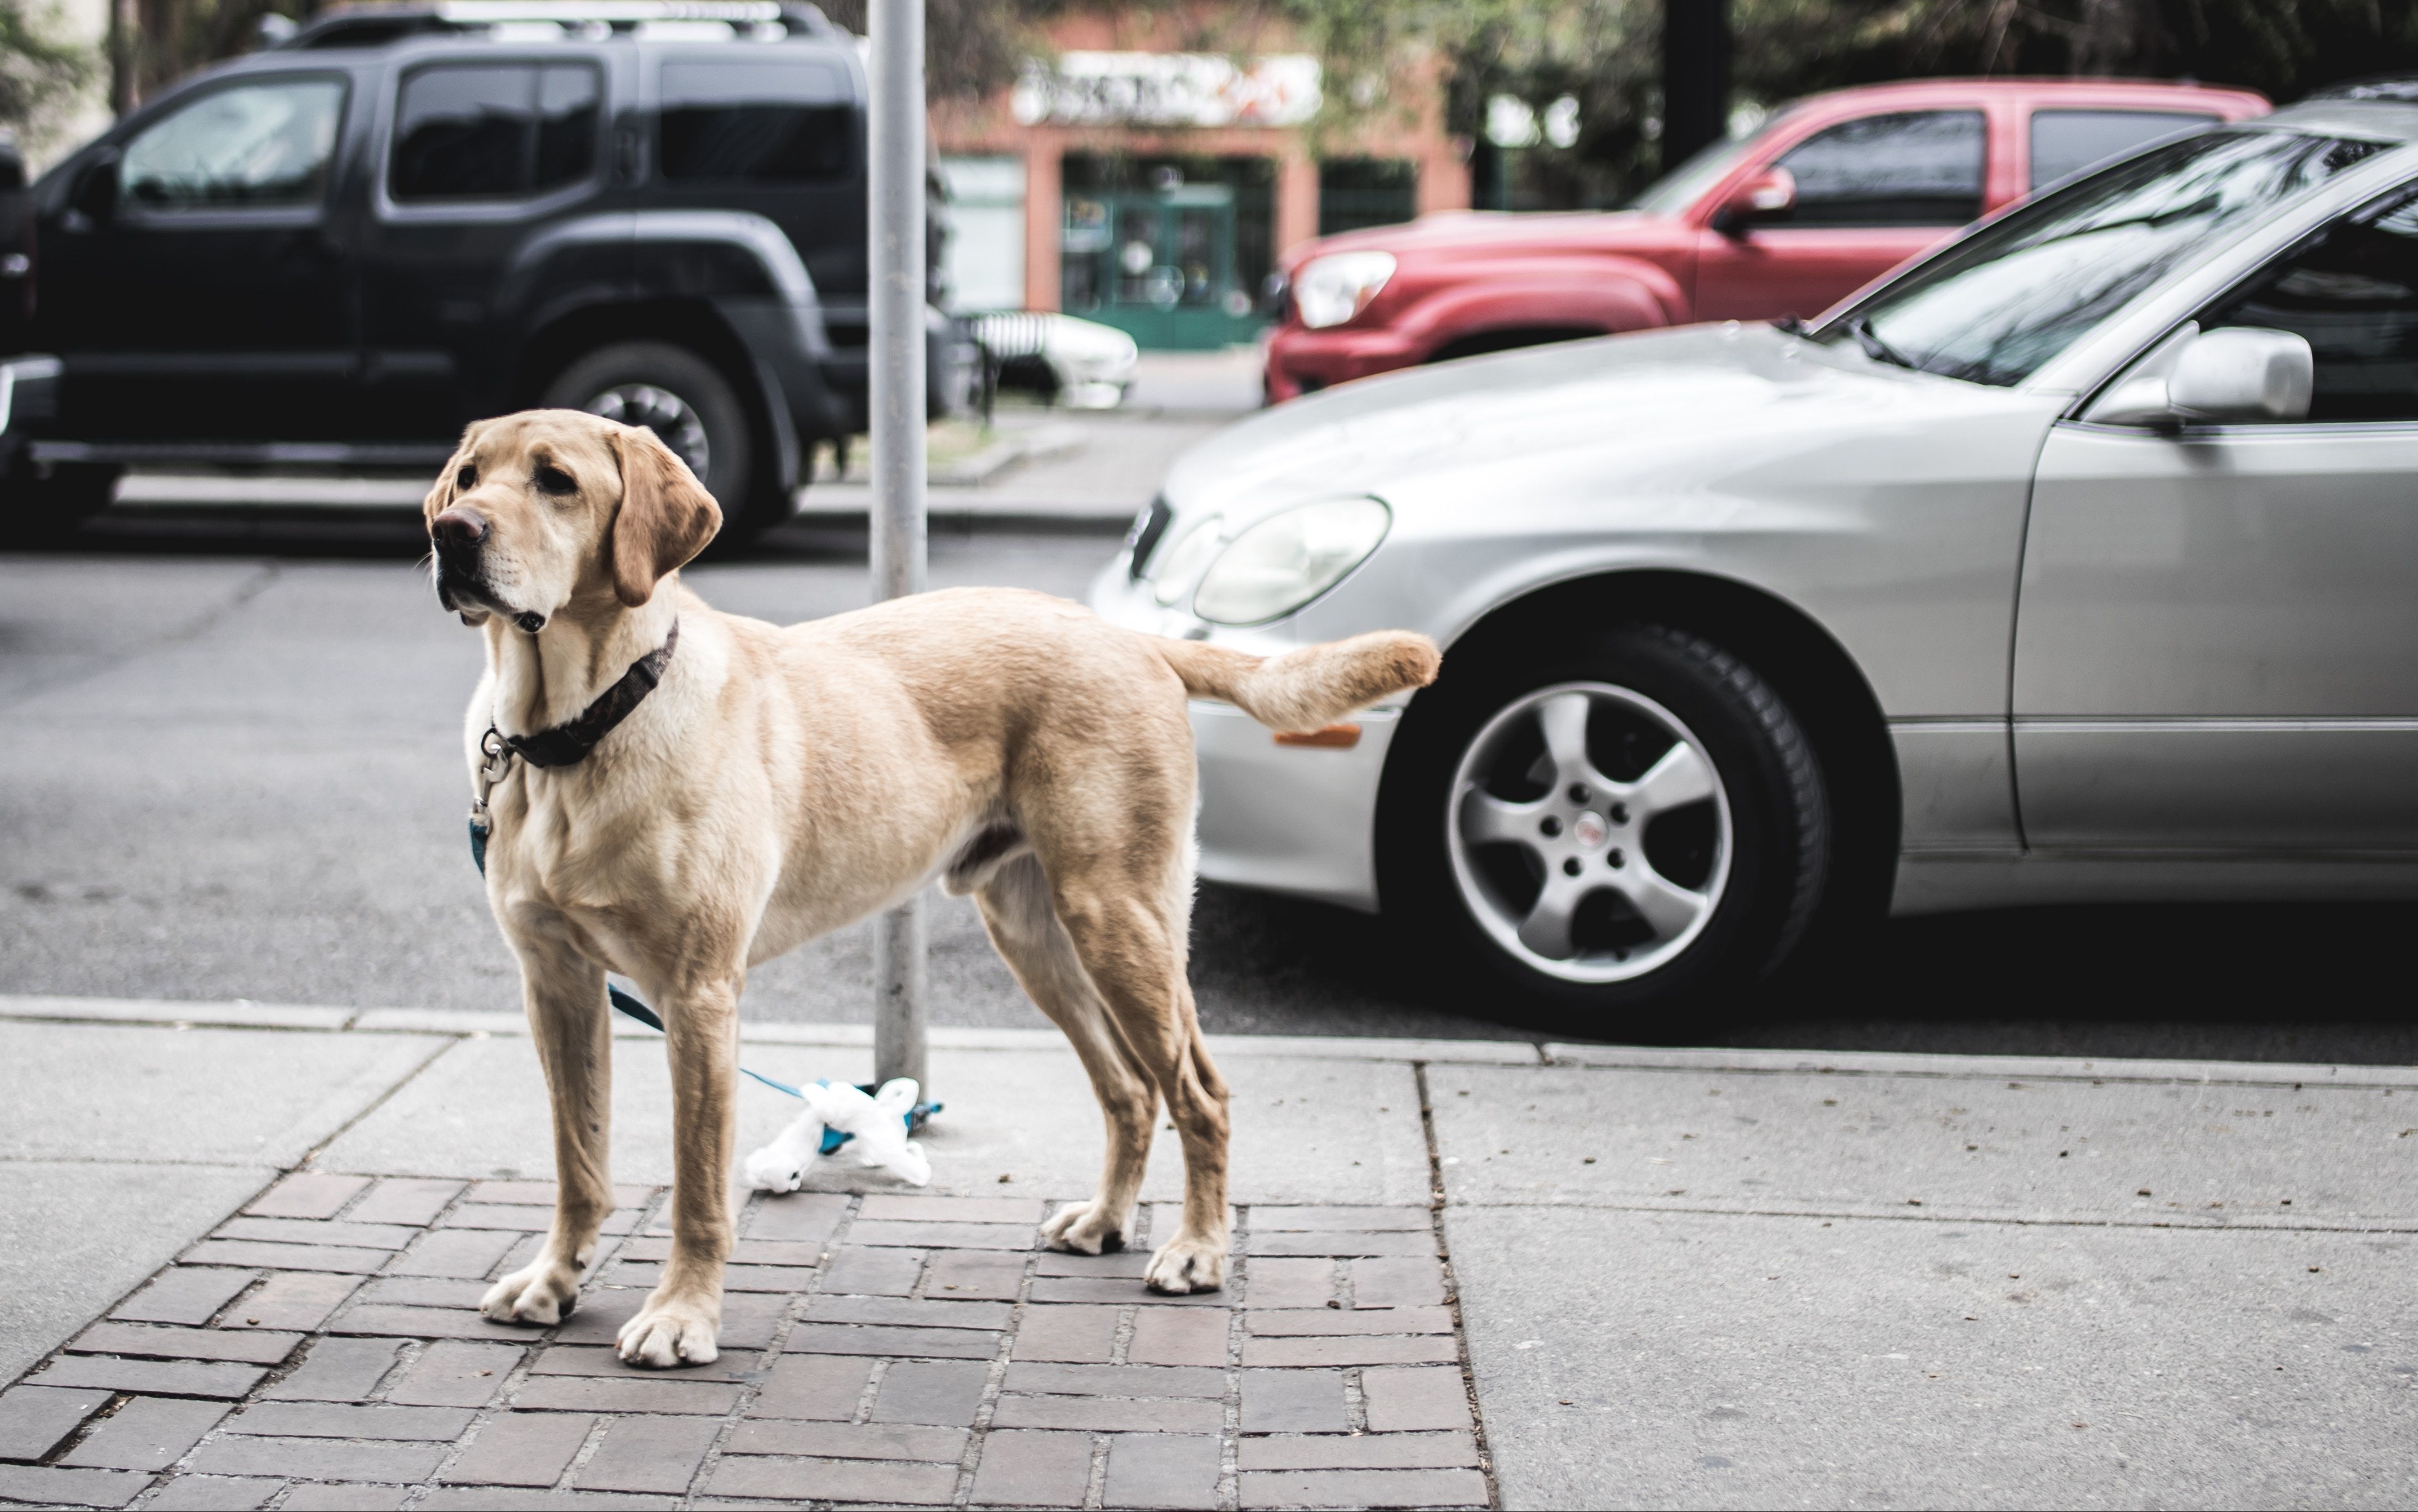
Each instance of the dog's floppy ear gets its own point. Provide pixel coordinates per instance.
(666, 515)
(441, 497)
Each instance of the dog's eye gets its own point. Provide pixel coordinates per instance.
(466, 479)
(553, 480)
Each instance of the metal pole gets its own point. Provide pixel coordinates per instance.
(896, 277)
(1695, 77)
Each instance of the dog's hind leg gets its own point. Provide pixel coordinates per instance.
(1129, 932)
(564, 994)
(1016, 910)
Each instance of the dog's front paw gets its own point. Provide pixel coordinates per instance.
(539, 1295)
(1085, 1227)
(669, 1331)
(1186, 1264)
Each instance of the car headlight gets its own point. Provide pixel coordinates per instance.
(1330, 290)
(1288, 560)
(1175, 577)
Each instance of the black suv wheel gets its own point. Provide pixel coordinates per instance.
(1614, 828)
(686, 401)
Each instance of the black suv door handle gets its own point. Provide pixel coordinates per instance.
(628, 152)
(309, 244)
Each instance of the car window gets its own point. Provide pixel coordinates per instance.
(2007, 299)
(1678, 188)
(1914, 168)
(2067, 142)
(2354, 293)
(265, 144)
(493, 131)
(757, 123)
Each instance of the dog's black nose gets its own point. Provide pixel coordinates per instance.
(458, 530)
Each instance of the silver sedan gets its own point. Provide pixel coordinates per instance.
(2077, 561)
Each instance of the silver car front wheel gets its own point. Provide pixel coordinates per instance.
(1613, 822)
(1554, 827)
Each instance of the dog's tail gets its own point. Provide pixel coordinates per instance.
(1310, 687)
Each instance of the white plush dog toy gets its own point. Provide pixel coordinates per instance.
(876, 1124)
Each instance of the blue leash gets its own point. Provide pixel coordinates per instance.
(631, 1007)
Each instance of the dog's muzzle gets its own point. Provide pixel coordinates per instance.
(459, 538)
(459, 589)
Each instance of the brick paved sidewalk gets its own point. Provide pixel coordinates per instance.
(322, 1350)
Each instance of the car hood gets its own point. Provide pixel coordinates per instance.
(1596, 426)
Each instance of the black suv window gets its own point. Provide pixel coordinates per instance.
(265, 144)
(2065, 142)
(1916, 168)
(755, 122)
(2353, 294)
(493, 131)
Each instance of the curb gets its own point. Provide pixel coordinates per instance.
(241, 1014)
(2030, 1067)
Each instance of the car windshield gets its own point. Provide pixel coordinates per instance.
(1678, 188)
(2005, 301)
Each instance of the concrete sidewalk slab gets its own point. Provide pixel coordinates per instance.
(1639, 1359)
(75, 1235)
(1028, 1114)
(254, 1097)
(2117, 1151)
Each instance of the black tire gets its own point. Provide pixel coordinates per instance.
(51, 506)
(672, 389)
(1762, 840)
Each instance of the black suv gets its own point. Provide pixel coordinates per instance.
(339, 250)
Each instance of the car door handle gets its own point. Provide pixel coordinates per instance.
(312, 245)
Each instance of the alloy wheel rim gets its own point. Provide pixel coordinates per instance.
(671, 416)
(1589, 832)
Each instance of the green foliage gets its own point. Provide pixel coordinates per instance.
(1606, 55)
(38, 71)
(2283, 48)
(173, 38)
(970, 47)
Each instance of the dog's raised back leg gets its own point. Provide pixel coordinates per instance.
(564, 994)
(1024, 928)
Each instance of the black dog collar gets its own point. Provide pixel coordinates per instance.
(567, 744)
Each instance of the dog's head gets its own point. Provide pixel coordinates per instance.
(549, 508)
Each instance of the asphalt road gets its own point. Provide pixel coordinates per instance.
(229, 768)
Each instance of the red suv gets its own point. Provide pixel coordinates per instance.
(1831, 193)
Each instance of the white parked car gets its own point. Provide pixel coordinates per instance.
(2078, 560)
(1082, 363)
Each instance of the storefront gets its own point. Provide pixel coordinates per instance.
(1152, 188)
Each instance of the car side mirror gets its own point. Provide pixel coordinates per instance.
(95, 192)
(2243, 373)
(1770, 195)
(2237, 373)
(12, 163)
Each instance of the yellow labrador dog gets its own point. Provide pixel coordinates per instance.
(677, 794)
